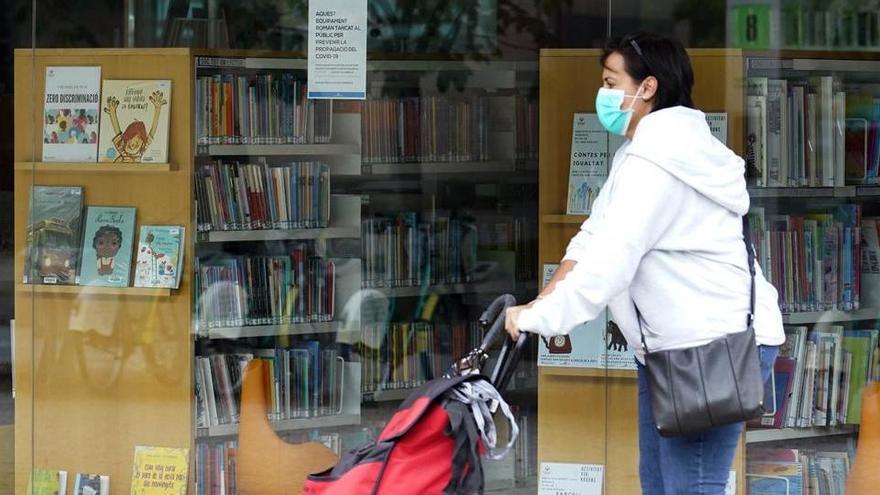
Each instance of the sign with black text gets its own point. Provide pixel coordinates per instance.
(338, 49)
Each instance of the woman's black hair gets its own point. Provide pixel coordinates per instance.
(647, 54)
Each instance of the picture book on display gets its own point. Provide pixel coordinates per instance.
(134, 121)
(53, 235)
(71, 114)
(159, 471)
(159, 256)
(47, 482)
(595, 344)
(91, 484)
(107, 246)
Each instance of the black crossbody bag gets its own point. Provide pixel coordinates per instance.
(718, 383)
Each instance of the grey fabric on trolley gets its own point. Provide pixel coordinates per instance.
(484, 400)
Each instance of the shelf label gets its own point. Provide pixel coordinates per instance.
(338, 49)
(206, 62)
(559, 478)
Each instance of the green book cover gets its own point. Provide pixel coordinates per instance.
(859, 345)
(107, 246)
(159, 256)
(47, 482)
(53, 235)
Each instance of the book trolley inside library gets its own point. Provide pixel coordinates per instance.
(200, 212)
(350, 246)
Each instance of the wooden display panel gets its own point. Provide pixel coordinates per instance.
(98, 372)
(593, 419)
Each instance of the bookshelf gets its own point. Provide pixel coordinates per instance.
(134, 399)
(450, 193)
(571, 402)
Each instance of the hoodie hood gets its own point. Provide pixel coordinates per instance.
(679, 141)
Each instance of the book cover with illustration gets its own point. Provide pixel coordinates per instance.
(47, 482)
(159, 471)
(107, 246)
(595, 344)
(134, 121)
(53, 235)
(159, 256)
(71, 114)
(91, 484)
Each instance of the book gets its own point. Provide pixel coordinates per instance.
(108, 235)
(134, 122)
(596, 344)
(71, 114)
(91, 484)
(159, 256)
(159, 471)
(53, 235)
(47, 482)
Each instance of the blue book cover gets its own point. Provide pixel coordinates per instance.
(107, 246)
(159, 256)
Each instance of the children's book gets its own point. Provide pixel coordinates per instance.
(47, 482)
(91, 484)
(159, 256)
(107, 246)
(134, 124)
(71, 114)
(53, 235)
(159, 471)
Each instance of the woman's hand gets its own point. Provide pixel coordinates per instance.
(511, 321)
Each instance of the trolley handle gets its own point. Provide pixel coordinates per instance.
(495, 313)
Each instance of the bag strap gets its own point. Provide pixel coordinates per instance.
(750, 256)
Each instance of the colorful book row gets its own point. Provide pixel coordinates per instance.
(401, 250)
(813, 260)
(406, 355)
(425, 129)
(241, 196)
(234, 291)
(305, 382)
(269, 108)
(786, 471)
(819, 376)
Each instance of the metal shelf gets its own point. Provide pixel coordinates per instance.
(231, 430)
(465, 288)
(815, 192)
(392, 395)
(425, 168)
(776, 435)
(830, 316)
(280, 235)
(278, 149)
(244, 332)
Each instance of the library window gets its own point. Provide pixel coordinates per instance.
(243, 243)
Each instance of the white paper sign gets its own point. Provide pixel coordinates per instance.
(558, 478)
(338, 49)
(718, 125)
(730, 489)
(595, 344)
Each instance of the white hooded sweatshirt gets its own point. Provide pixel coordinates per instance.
(665, 235)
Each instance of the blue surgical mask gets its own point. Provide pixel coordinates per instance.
(608, 102)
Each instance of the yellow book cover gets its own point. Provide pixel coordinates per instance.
(159, 471)
(134, 121)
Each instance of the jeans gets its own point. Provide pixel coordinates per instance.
(688, 465)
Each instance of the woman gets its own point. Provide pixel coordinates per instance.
(665, 236)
